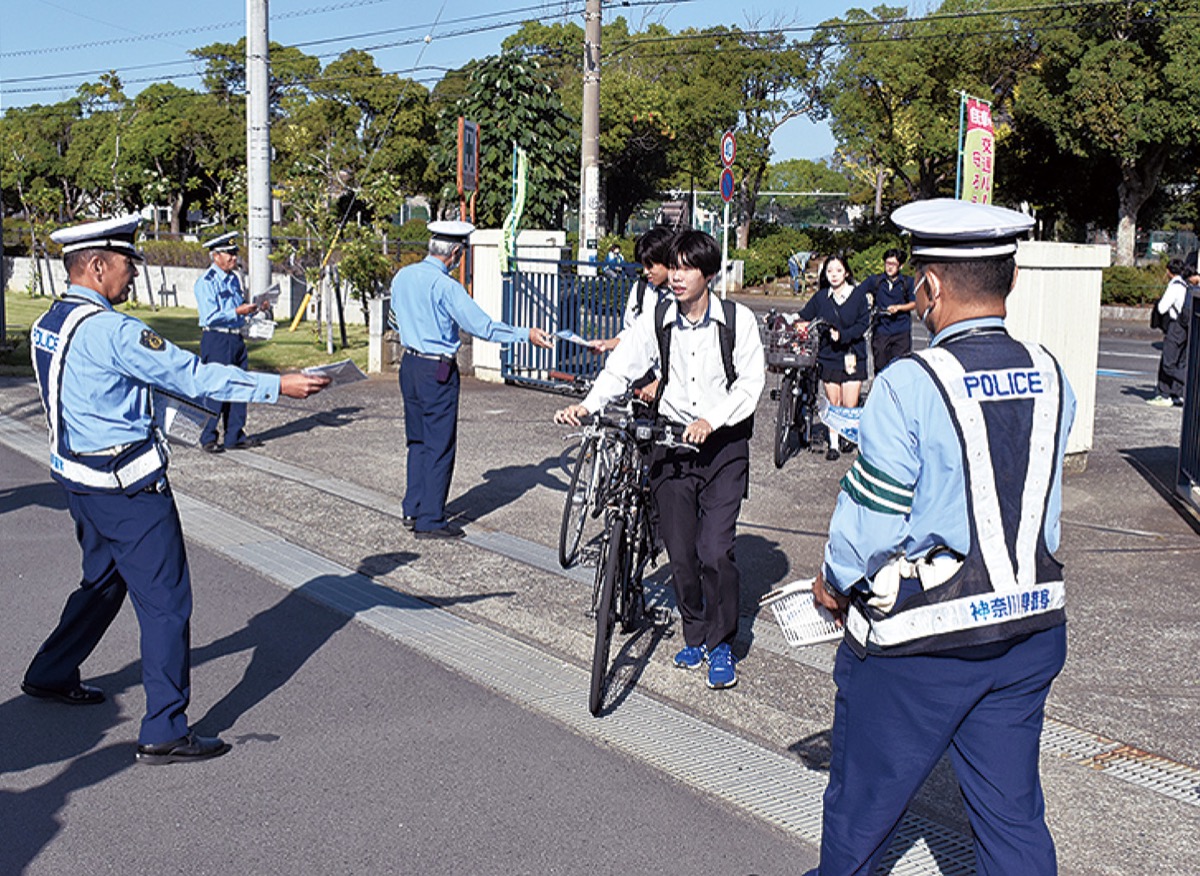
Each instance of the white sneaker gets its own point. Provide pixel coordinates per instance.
(1160, 401)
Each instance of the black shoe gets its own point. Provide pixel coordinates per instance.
(831, 454)
(182, 750)
(246, 444)
(212, 447)
(448, 532)
(408, 523)
(845, 445)
(80, 695)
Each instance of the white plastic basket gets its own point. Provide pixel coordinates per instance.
(803, 621)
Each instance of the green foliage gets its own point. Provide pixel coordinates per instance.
(1125, 285)
(183, 253)
(766, 257)
(366, 268)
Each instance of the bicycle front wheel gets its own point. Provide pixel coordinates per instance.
(785, 418)
(611, 568)
(576, 505)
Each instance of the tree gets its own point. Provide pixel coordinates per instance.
(513, 101)
(1116, 85)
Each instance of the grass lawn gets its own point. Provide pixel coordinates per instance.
(286, 350)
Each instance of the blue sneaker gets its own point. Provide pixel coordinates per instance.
(721, 673)
(691, 657)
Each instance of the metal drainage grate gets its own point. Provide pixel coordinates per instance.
(1141, 768)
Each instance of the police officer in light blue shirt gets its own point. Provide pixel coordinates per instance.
(428, 308)
(941, 562)
(223, 311)
(96, 369)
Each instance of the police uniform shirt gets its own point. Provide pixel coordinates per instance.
(218, 296)
(696, 388)
(429, 307)
(112, 362)
(906, 490)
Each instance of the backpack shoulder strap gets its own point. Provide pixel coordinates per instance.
(728, 334)
(639, 300)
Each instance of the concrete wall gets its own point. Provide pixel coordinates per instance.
(1057, 304)
(172, 287)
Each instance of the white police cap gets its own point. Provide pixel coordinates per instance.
(112, 234)
(452, 230)
(945, 229)
(223, 243)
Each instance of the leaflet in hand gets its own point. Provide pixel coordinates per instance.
(337, 372)
(271, 296)
(572, 338)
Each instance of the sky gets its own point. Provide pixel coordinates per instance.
(49, 47)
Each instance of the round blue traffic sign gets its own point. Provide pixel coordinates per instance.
(727, 185)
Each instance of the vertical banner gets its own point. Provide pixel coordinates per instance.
(512, 222)
(977, 157)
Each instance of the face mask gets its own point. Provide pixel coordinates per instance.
(929, 309)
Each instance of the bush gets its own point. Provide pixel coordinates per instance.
(1125, 285)
(178, 253)
(767, 255)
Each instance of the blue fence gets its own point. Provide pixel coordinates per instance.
(553, 295)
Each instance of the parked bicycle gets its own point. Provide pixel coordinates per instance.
(596, 457)
(791, 351)
(627, 545)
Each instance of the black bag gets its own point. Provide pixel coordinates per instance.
(1157, 319)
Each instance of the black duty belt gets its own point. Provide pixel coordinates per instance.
(433, 357)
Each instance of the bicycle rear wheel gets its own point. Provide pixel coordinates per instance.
(785, 418)
(576, 506)
(611, 568)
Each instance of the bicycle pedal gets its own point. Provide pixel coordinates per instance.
(660, 617)
(590, 614)
(774, 395)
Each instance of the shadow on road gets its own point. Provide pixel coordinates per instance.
(503, 486)
(332, 419)
(1157, 466)
(46, 495)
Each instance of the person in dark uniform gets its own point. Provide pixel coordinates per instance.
(96, 369)
(940, 560)
(223, 310)
(842, 356)
(894, 301)
(428, 308)
(697, 495)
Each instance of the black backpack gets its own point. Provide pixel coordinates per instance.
(1157, 319)
(726, 332)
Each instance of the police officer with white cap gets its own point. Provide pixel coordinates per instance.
(95, 369)
(223, 311)
(429, 307)
(941, 562)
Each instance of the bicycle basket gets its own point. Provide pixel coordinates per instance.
(788, 347)
(803, 621)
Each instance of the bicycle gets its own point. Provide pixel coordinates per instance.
(627, 543)
(792, 352)
(597, 454)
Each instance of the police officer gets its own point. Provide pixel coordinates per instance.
(95, 369)
(223, 310)
(894, 301)
(941, 561)
(429, 308)
(698, 495)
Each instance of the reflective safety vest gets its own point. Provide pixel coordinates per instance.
(1009, 585)
(127, 469)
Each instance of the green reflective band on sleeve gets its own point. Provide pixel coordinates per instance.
(875, 490)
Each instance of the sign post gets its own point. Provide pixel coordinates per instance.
(728, 153)
(468, 179)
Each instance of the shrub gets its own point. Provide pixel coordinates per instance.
(179, 253)
(767, 255)
(1124, 285)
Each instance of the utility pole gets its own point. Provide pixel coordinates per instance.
(258, 147)
(589, 176)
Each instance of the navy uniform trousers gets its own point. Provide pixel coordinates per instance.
(697, 497)
(135, 543)
(988, 712)
(431, 433)
(225, 349)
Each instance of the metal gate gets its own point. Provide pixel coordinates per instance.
(553, 295)
(1188, 480)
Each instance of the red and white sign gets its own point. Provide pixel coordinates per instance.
(728, 149)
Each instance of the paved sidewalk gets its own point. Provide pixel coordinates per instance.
(1121, 750)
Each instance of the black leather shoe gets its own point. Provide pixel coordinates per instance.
(831, 454)
(80, 695)
(212, 447)
(246, 444)
(446, 532)
(182, 750)
(408, 523)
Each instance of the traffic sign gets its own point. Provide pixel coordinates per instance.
(728, 149)
(727, 185)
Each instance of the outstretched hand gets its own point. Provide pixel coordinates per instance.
(296, 384)
(539, 337)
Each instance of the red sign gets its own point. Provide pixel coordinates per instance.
(728, 150)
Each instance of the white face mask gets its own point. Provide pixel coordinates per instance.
(929, 309)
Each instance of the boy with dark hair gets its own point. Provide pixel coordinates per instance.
(698, 494)
(892, 294)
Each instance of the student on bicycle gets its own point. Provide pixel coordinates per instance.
(894, 300)
(843, 354)
(698, 494)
